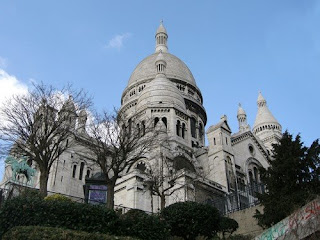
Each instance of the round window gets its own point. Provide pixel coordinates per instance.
(251, 149)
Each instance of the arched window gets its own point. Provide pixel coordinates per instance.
(143, 126)
(250, 177)
(74, 171)
(88, 173)
(183, 130)
(81, 170)
(193, 127)
(178, 128)
(164, 120)
(130, 126)
(141, 167)
(200, 131)
(156, 120)
(183, 163)
(256, 174)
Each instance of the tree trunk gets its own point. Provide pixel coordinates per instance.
(151, 195)
(110, 195)
(43, 183)
(162, 202)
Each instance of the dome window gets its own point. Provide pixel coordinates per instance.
(178, 128)
(164, 120)
(193, 127)
(156, 120)
(183, 130)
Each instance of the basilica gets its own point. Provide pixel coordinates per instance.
(224, 173)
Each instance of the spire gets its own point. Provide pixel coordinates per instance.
(161, 39)
(241, 111)
(261, 101)
(161, 65)
(242, 119)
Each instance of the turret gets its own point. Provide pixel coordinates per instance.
(242, 119)
(160, 65)
(266, 127)
(161, 39)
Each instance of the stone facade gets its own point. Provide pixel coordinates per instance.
(162, 89)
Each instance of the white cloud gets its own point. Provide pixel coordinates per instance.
(9, 86)
(117, 41)
(3, 62)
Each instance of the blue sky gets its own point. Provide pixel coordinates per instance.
(233, 48)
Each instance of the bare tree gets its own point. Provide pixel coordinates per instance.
(164, 179)
(114, 143)
(39, 124)
(161, 181)
(168, 174)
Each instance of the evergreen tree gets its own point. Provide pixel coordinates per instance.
(291, 180)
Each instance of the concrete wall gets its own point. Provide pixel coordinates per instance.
(248, 225)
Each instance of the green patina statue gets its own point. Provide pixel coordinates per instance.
(20, 166)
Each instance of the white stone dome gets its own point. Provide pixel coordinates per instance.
(161, 92)
(241, 111)
(175, 69)
(161, 29)
(264, 118)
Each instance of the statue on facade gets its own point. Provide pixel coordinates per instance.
(20, 166)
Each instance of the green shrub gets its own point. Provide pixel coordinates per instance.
(31, 194)
(57, 197)
(28, 211)
(50, 233)
(190, 219)
(137, 223)
(227, 225)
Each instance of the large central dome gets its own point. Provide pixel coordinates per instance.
(179, 89)
(176, 69)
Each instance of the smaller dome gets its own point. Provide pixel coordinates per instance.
(161, 92)
(161, 29)
(264, 116)
(241, 110)
(160, 57)
(176, 69)
(260, 98)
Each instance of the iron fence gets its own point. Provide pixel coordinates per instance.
(238, 199)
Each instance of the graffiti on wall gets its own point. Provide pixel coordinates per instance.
(305, 219)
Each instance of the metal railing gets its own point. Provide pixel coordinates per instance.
(238, 199)
(234, 201)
